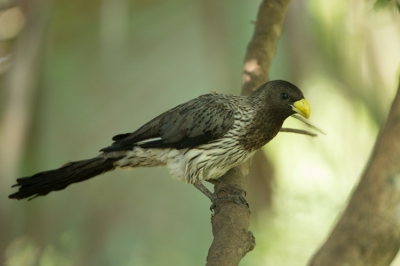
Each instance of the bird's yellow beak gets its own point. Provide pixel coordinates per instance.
(302, 107)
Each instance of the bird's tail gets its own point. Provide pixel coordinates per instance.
(43, 183)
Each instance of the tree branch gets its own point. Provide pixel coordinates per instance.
(298, 131)
(262, 47)
(368, 233)
(232, 240)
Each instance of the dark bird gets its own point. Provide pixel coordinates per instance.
(198, 140)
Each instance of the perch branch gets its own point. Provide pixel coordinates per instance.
(232, 240)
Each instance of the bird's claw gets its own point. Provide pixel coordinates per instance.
(233, 194)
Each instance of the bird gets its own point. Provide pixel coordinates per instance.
(199, 140)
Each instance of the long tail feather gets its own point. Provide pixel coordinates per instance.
(43, 183)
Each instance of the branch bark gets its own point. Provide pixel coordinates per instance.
(232, 240)
(368, 233)
(262, 47)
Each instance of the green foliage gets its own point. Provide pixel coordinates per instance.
(387, 4)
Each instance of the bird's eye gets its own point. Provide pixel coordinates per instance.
(284, 96)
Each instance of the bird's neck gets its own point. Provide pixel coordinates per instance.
(264, 127)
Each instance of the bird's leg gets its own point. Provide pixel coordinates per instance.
(204, 190)
(236, 190)
(233, 194)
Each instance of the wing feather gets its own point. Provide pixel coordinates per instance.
(196, 122)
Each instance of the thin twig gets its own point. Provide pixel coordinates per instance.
(298, 131)
(305, 121)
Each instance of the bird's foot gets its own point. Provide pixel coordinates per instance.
(233, 194)
(224, 185)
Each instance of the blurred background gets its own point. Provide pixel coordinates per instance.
(75, 73)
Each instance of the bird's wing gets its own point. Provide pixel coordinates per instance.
(195, 122)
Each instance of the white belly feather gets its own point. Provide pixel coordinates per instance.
(204, 162)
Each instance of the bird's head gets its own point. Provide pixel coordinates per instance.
(282, 99)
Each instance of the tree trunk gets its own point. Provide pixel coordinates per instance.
(368, 233)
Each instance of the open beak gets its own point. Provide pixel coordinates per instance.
(302, 107)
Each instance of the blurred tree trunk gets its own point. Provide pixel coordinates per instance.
(19, 87)
(368, 232)
(20, 84)
(232, 240)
